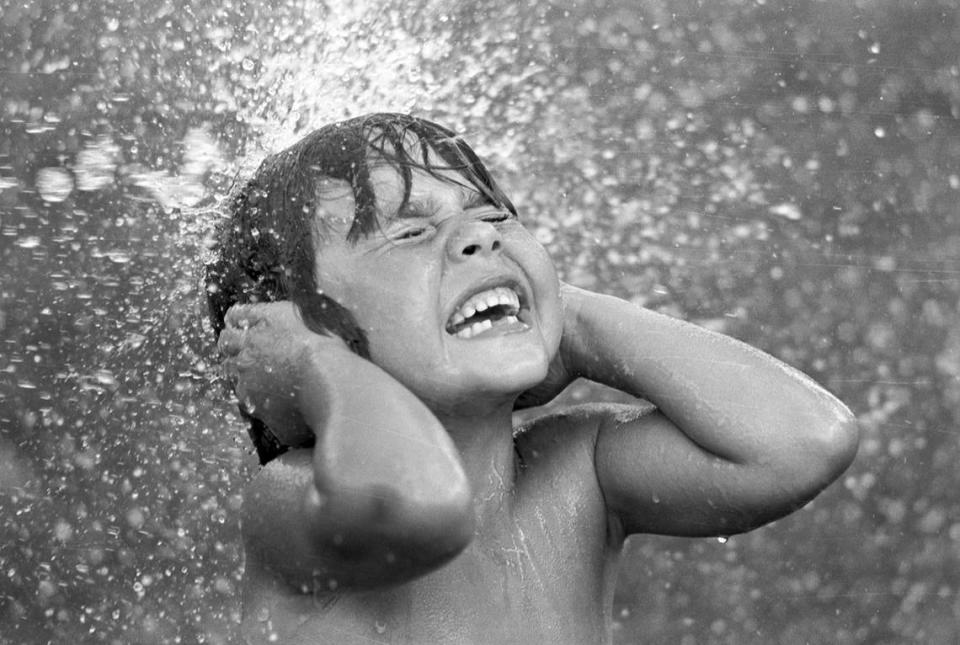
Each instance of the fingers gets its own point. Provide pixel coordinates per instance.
(247, 325)
(242, 316)
(238, 322)
(230, 341)
(237, 367)
(233, 341)
(247, 316)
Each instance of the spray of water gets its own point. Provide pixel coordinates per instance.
(127, 457)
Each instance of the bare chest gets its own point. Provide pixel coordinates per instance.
(537, 580)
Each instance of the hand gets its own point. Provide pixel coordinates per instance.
(562, 371)
(265, 349)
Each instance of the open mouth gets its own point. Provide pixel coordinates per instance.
(499, 307)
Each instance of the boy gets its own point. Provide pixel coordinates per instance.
(412, 310)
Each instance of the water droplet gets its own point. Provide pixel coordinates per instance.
(787, 211)
(380, 627)
(95, 166)
(105, 377)
(119, 257)
(54, 184)
(135, 518)
(880, 133)
(316, 499)
(875, 48)
(28, 242)
(46, 589)
(722, 539)
(63, 531)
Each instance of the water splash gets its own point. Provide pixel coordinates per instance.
(54, 184)
(96, 165)
(335, 60)
(651, 151)
(321, 63)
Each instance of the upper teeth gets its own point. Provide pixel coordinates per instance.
(484, 300)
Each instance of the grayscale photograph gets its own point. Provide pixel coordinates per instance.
(425, 322)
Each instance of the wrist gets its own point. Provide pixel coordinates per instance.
(314, 373)
(574, 353)
(594, 329)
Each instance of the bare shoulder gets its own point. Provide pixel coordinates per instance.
(559, 444)
(565, 427)
(557, 455)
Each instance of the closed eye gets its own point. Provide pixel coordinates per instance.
(499, 216)
(410, 233)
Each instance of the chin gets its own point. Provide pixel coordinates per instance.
(510, 378)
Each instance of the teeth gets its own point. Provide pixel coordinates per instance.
(484, 300)
(479, 327)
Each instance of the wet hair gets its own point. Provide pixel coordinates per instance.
(265, 248)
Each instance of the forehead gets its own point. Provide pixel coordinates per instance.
(428, 192)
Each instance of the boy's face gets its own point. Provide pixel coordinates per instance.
(459, 302)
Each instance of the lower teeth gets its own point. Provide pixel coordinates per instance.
(479, 327)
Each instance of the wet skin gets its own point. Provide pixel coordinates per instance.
(539, 569)
(418, 517)
(404, 284)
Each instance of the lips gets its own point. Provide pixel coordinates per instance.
(493, 306)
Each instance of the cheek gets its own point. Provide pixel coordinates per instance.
(532, 254)
(546, 285)
(543, 276)
(396, 310)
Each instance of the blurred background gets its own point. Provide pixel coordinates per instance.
(784, 172)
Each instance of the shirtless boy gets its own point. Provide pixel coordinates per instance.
(409, 310)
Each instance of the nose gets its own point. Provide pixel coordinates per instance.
(473, 239)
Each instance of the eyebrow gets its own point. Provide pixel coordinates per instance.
(476, 199)
(423, 207)
(416, 208)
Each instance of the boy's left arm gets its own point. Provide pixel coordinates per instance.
(739, 438)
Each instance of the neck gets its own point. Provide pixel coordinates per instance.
(485, 443)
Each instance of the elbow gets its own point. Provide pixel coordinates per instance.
(412, 538)
(839, 444)
(437, 529)
(420, 532)
(436, 515)
(829, 448)
(382, 538)
(803, 473)
(456, 530)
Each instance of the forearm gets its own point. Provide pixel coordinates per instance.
(314, 542)
(732, 400)
(380, 496)
(382, 461)
(381, 499)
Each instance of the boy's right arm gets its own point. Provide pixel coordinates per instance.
(381, 498)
